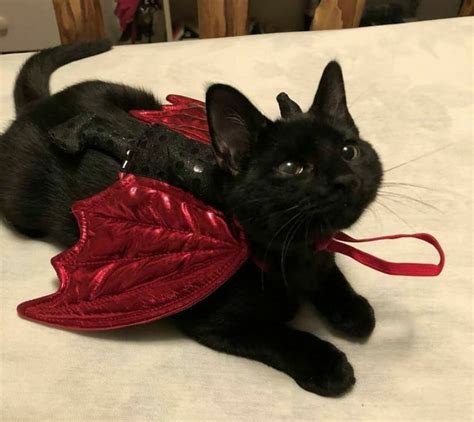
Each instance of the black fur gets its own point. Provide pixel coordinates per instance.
(281, 213)
(32, 83)
(38, 180)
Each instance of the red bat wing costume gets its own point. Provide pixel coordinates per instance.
(148, 250)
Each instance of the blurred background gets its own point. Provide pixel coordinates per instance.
(27, 25)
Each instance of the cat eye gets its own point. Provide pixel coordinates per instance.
(290, 168)
(350, 152)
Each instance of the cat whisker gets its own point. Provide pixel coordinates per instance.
(267, 249)
(294, 223)
(407, 185)
(281, 212)
(287, 243)
(422, 187)
(308, 220)
(351, 105)
(252, 201)
(402, 196)
(422, 156)
(374, 213)
(396, 215)
(398, 201)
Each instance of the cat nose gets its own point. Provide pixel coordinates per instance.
(347, 183)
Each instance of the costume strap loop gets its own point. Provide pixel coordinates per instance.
(394, 268)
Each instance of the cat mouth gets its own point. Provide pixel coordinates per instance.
(332, 204)
(337, 213)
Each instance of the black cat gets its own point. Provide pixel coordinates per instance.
(287, 182)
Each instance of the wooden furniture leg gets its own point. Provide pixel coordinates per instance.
(79, 20)
(467, 8)
(222, 18)
(236, 17)
(168, 22)
(337, 14)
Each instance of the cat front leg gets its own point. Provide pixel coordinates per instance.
(315, 365)
(342, 307)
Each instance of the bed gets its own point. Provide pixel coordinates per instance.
(410, 91)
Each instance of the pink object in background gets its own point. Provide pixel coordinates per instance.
(125, 11)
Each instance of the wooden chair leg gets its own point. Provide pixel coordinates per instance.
(337, 14)
(79, 20)
(211, 15)
(168, 22)
(222, 18)
(467, 8)
(236, 17)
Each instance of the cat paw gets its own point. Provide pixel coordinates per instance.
(352, 315)
(329, 377)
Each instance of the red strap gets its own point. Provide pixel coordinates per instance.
(388, 267)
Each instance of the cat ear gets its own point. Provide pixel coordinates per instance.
(288, 107)
(234, 123)
(330, 99)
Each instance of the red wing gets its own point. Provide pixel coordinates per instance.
(147, 250)
(184, 115)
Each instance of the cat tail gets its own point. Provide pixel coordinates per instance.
(32, 82)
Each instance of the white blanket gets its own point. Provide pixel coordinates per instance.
(410, 91)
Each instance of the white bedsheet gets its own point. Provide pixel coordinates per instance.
(410, 92)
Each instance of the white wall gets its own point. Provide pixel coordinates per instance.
(31, 25)
(111, 24)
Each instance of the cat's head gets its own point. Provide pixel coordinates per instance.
(309, 172)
